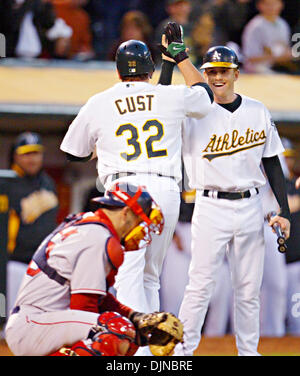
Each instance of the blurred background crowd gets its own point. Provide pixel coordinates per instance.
(264, 33)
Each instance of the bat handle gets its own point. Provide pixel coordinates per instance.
(282, 248)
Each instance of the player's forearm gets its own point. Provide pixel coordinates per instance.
(276, 179)
(110, 303)
(190, 73)
(73, 158)
(260, 59)
(167, 68)
(294, 203)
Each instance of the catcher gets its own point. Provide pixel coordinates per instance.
(63, 305)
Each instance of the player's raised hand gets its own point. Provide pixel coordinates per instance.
(283, 223)
(163, 48)
(176, 48)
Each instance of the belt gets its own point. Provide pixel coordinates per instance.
(228, 195)
(122, 174)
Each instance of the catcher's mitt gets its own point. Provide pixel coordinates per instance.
(160, 330)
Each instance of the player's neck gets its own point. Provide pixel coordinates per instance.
(224, 99)
(115, 220)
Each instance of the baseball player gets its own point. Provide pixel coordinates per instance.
(235, 139)
(223, 153)
(63, 296)
(136, 129)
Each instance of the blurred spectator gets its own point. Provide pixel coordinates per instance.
(230, 17)
(266, 40)
(154, 9)
(293, 243)
(32, 29)
(105, 19)
(77, 18)
(135, 25)
(33, 208)
(178, 11)
(202, 37)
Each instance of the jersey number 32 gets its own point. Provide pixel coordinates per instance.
(134, 140)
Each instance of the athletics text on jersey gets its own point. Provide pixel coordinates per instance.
(223, 151)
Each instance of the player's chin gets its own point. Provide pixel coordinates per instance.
(221, 87)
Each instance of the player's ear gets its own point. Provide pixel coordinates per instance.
(204, 74)
(126, 213)
(236, 74)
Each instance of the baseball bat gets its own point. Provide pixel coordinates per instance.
(282, 247)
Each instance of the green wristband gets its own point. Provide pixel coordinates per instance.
(175, 48)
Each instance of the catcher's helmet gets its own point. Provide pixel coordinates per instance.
(220, 56)
(142, 204)
(133, 58)
(122, 194)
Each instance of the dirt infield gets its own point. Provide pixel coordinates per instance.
(285, 346)
(267, 346)
(4, 350)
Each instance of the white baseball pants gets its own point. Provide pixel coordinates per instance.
(33, 332)
(174, 276)
(137, 282)
(138, 279)
(216, 224)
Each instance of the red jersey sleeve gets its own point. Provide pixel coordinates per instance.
(110, 303)
(85, 302)
(98, 303)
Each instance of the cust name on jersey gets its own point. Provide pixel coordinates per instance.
(134, 103)
(233, 141)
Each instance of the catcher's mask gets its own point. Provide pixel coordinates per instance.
(142, 205)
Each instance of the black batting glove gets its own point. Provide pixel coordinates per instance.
(176, 48)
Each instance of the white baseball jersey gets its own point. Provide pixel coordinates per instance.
(136, 127)
(223, 151)
(78, 254)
